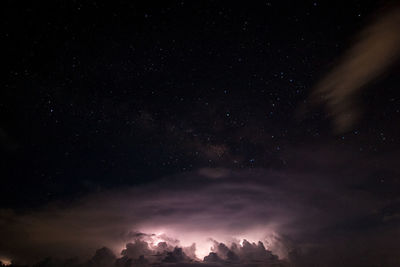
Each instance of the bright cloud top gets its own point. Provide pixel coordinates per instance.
(294, 213)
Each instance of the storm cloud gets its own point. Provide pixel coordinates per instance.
(300, 215)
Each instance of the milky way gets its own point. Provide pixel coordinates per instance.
(200, 134)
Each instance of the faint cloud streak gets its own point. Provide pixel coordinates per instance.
(377, 48)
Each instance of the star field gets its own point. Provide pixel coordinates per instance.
(101, 95)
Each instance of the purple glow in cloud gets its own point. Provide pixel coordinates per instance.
(294, 213)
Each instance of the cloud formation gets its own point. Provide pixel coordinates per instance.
(376, 49)
(304, 215)
(142, 253)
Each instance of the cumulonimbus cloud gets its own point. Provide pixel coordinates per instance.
(191, 208)
(300, 214)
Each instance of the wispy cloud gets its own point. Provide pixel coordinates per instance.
(377, 47)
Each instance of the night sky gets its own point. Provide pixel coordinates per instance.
(272, 121)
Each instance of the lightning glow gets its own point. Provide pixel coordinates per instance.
(205, 240)
(5, 261)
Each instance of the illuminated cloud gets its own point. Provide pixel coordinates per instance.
(188, 209)
(5, 261)
(294, 213)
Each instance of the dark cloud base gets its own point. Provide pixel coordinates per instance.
(317, 212)
(139, 253)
